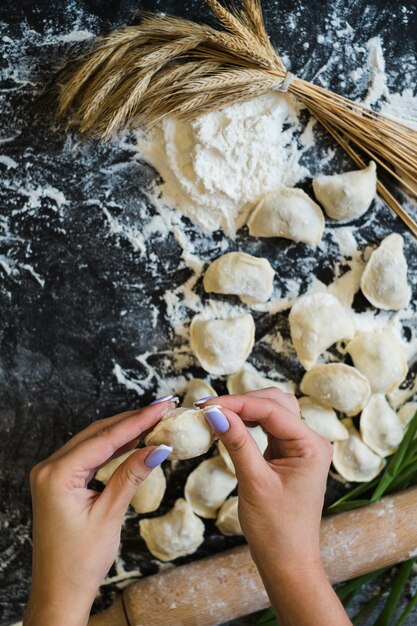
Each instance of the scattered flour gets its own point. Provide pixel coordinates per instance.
(214, 167)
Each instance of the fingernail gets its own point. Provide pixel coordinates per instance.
(157, 456)
(205, 399)
(217, 420)
(165, 399)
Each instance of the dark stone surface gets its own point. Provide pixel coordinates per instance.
(66, 281)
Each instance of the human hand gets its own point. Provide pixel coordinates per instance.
(283, 492)
(76, 530)
(281, 500)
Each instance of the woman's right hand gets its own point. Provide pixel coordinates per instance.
(281, 500)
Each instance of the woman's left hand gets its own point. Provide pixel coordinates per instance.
(76, 531)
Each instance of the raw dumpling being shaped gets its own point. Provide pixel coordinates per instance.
(348, 195)
(240, 274)
(178, 533)
(227, 519)
(261, 439)
(322, 419)
(380, 357)
(195, 390)
(381, 428)
(148, 496)
(289, 213)
(317, 321)
(352, 458)
(222, 345)
(208, 486)
(186, 430)
(249, 379)
(337, 385)
(407, 412)
(384, 280)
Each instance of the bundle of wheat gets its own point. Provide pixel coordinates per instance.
(172, 66)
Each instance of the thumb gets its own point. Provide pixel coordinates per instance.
(129, 476)
(237, 440)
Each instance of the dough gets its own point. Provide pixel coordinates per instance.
(237, 273)
(322, 419)
(208, 486)
(222, 345)
(407, 412)
(148, 495)
(380, 357)
(348, 195)
(197, 389)
(289, 213)
(352, 458)
(317, 321)
(175, 534)
(186, 430)
(227, 519)
(381, 428)
(337, 385)
(384, 281)
(249, 379)
(261, 438)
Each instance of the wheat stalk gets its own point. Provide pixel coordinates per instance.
(172, 66)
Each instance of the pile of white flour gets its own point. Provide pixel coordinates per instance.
(216, 165)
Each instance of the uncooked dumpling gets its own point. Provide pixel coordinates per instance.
(289, 213)
(348, 195)
(227, 519)
(384, 281)
(240, 274)
(380, 357)
(148, 495)
(178, 533)
(317, 321)
(407, 412)
(322, 419)
(261, 439)
(352, 458)
(197, 389)
(186, 430)
(222, 345)
(380, 426)
(208, 486)
(337, 385)
(249, 379)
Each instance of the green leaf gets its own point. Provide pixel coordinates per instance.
(347, 591)
(267, 619)
(350, 504)
(352, 494)
(391, 604)
(367, 609)
(409, 607)
(398, 459)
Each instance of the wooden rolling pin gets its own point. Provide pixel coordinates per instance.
(227, 585)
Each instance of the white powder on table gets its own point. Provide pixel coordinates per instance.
(216, 165)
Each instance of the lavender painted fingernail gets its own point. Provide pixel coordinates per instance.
(205, 399)
(157, 456)
(217, 420)
(165, 399)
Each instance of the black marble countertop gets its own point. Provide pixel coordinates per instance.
(75, 296)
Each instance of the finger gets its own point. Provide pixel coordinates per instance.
(275, 418)
(98, 449)
(241, 446)
(287, 400)
(128, 477)
(88, 432)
